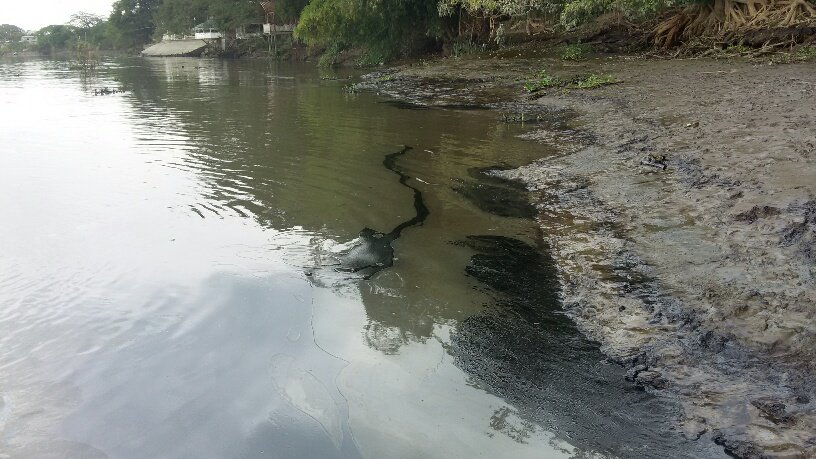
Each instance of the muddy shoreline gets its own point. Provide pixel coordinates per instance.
(698, 278)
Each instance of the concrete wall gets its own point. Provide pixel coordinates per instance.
(176, 48)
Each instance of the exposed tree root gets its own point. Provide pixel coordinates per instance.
(730, 16)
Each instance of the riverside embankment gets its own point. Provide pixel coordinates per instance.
(697, 277)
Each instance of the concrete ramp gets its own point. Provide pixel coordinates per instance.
(176, 48)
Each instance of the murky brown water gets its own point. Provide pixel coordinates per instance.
(168, 284)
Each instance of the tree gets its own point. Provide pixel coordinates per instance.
(288, 11)
(133, 22)
(179, 16)
(231, 14)
(55, 37)
(10, 33)
(84, 22)
(386, 28)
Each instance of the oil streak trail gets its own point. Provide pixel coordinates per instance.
(422, 211)
(373, 251)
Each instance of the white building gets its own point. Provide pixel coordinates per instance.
(28, 39)
(270, 29)
(207, 31)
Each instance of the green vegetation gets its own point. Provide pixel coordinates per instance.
(84, 34)
(330, 56)
(10, 36)
(383, 29)
(575, 51)
(53, 38)
(180, 16)
(462, 47)
(806, 53)
(463, 26)
(86, 59)
(132, 22)
(544, 80)
(593, 81)
(10, 33)
(371, 58)
(380, 30)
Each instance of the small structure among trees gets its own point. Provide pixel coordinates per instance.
(273, 17)
(207, 30)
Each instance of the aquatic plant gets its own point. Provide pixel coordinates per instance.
(86, 59)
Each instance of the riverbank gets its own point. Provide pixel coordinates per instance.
(698, 277)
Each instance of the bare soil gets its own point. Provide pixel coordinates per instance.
(700, 276)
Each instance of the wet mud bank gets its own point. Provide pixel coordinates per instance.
(697, 276)
(526, 350)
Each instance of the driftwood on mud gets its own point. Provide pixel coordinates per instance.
(655, 164)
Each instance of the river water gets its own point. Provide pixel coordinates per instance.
(175, 280)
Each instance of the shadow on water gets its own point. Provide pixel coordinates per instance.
(407, 105)
(495, 195)
(404, 105)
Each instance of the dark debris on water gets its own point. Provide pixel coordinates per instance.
(107, 91)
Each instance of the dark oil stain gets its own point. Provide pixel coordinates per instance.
(373, 252)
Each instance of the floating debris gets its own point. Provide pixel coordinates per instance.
(656, 161)
(107, 91)
(522, 118)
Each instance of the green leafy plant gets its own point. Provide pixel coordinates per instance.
(805, 53)
(541, 81)
(385, 29)
(370, 58)
(330, 56)
(461, 48)
(593, 81)
(575, 51)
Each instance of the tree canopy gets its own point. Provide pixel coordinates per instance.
(133, 22)
(179, 16)
(389, 28)
(55, 37)
(386, 27)
(10, 32)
